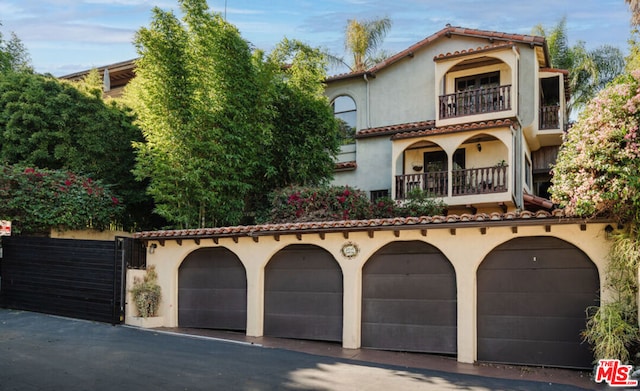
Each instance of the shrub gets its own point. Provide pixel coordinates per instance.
(299, 204)
(146, 293)
(419, 203)
(36, 200)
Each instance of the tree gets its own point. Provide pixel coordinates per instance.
(224, 126)
(634, 7)
(47, 123)
(589, 71)
(13, 54)
(362, 41)
(596, 174)
(197, 95)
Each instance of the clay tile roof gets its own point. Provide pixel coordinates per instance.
(394, 129)
(452, 128)
(344, 166)
(449, 221)
(479, 49)
(448, 31)
(537, 203)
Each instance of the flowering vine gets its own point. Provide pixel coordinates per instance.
(36, 200)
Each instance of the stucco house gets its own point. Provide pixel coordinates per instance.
(473, 117)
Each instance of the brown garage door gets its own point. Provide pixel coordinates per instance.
(212, 290)
(532, 295)
(303, 295)
(409, 300)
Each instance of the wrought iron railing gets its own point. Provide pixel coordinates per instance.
(483, 180)
(550, 117)
(478, 101)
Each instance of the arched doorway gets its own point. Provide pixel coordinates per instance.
(532, 296)
(409, 299)
(212, 290)
(303, 294)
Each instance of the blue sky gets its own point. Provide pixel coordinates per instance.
(67, 36)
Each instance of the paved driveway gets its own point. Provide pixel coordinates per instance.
(41, 352)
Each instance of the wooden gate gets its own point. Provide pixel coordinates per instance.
(532, 296)
(76, 278)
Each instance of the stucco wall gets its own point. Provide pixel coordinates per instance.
(464, 247)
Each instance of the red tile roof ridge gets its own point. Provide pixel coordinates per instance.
(454, 128)
(452, 30)
(396, 128)
(479, 49)
(340, 224)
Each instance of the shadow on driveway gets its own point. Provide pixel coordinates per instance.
(43, 352)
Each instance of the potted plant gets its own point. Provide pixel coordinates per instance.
(146, 293)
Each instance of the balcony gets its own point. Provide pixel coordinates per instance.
(471, 181)
(550, 117)
(478, 101)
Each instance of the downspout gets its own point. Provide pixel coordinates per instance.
(368, 117)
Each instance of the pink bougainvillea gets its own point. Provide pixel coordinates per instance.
(596, 173)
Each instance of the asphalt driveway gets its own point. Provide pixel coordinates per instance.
(42, 352)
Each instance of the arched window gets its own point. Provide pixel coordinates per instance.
(344, 109)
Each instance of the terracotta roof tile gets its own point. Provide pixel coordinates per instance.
(354, 225)
(479, 49)
(448, 31)
(393, 129)
(453, 128)
(344, 166)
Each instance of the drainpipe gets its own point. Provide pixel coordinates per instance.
(368, 118)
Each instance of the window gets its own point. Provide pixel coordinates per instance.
(377, 194)
(437, 161)
(344, 109)
(483, 80)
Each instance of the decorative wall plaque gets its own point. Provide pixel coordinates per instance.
(350, 250)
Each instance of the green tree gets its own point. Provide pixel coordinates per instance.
(362, 41)
(589, 70)
(596, 174)
(198, 98)
(47, 123)
(304, 135)
(13, 55)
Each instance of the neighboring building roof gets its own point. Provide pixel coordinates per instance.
(512, 219)
(346, 166)
(427, 128)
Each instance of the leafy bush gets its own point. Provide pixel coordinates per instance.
(318, 204)
(147, 293)
(596, 174)
(299, 204)
(419, 203)
(36, 200)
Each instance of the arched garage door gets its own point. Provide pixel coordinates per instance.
(303, 295)
(409, 300)
(212, 290)
(532, 296)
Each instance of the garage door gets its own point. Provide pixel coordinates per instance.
(212, 290)
(532, 296)
(409, 300)
(303, 295)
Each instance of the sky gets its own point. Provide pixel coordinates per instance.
(68, 36)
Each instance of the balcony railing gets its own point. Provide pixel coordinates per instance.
(550, 117)
(479, 101)
(484, 180)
